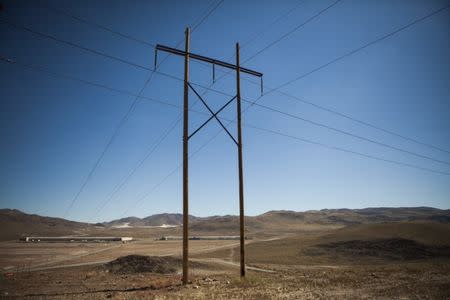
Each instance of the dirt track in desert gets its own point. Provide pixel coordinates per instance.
(400, 261)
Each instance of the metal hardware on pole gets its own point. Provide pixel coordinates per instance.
(214, 115)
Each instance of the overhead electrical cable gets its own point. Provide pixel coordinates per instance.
(347, 150)
(247, 125)
(302, 76)
(319, 124)
(347, 54)
(362, 47)
(177, 121)
(133, 104)
(271, 44)
(258, 34)
(296, 28)
(244, 44)
(362, 122)
(277, 132)
(94, 24)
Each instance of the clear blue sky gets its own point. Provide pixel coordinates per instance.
(52, 130)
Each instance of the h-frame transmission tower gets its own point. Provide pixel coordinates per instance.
(186, 136)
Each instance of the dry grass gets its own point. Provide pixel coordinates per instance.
(414, 280)
(298, 275)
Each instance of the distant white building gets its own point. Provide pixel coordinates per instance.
(207, 237)
(82, 239)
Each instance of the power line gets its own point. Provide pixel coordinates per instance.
(95, 84)
(91, 23)
(368, 124)
(122, 122)
(117, 189)
(348, 151)
(268, 27)
(86, 82)
(132, 106)
(196, 24)
(246, 125)
(277, 88)
(211, 84)
(349, 133)
(252, 103)
(329, 127)
(255, 36)
(154, 149)
(83, 81)
(279, 39)
(75, 45)
(96, 52)
(311, 122)
(166, 56)
(293, 30)
(228, 72)
(126, 116)
(310, 19)
(362, 122)
(364, 46)
(54, 74)
(66, 77)
(321, 124)
(150, 151)
(207, 13)
(156, 186)
(361, 154)
(147, 156)
(95, 24)
(200, 22)
(275, 132)
(90, 50)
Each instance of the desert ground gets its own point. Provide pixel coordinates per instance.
(289, 260)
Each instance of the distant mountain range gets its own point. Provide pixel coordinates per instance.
(153, 220)
(325, 216)
(15, 223)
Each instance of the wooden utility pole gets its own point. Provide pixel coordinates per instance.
(186, 136)
(241, 175)
(185, 161)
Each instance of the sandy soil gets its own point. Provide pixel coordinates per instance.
(320, 265)
(18, 256)
(429, 280)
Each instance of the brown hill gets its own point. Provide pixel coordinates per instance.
(153, 220)
(391, 249)
(432, 233)
(284, 221)
(284, 217)
(15, 224)
(347, 244)
(360, 216)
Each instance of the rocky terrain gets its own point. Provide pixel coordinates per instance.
(374, 253)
